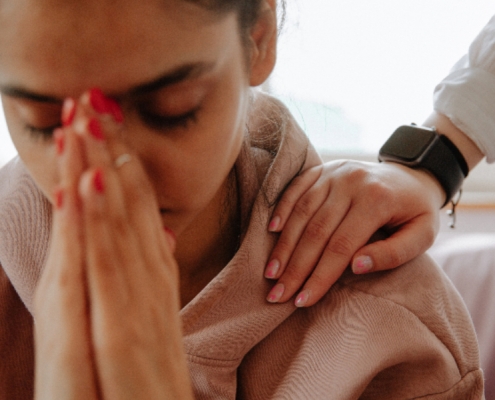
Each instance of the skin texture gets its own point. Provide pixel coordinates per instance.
(329, 213)
(109, 297)
(189, 179)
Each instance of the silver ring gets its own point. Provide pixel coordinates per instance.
(122, 159)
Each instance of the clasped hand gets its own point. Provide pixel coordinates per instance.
(107, 320)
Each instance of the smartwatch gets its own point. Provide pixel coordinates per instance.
(420, 147)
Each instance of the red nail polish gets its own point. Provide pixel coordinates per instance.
(68, 111)
(59, 141)
(98, 101)
(94, 128)
(116, 111)
(98, 181)
(58, 199)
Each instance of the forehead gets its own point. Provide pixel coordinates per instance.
(63, 47)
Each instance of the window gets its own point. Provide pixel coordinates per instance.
(352, 71)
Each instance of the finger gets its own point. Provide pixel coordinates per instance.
(139, 195)
(335, 258)
(310, 247)
(291, 196)
(412, 239)
(102, 129)
(133, 305)
(62, 336)
(297, 226)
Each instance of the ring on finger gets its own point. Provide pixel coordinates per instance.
(122, 159)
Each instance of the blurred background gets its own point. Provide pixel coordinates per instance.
(352, 71)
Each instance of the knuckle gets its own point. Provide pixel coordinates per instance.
(303, 208)
(380, 194)
(341, 245)
(317, 232)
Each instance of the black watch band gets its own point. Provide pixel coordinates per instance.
(419, 147)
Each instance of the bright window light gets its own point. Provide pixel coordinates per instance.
(354, 70)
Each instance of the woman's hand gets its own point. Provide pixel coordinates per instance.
(328, 215)
(64, 356)
(128, 282)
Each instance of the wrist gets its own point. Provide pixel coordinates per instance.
(432, 186)
(424, 148)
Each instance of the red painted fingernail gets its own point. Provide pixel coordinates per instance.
(95, 129)
(116, 111)
(68, 111)
(98, 181)
(59, 141)
(99, 101)
(58, 199)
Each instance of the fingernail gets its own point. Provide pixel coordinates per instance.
(170, 235)
(272, 269)
(59, 141)
(94, 128)
(362, 265)
(105, 105)
(58, 199)
(274, 223)
(98, 101)
(302, 298)
(116, 111)
(98, 181)
(276, 293)
(68, 111)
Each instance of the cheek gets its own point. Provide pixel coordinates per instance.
(38, 155)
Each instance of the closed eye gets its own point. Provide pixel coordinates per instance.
(45, 133)
(162, 122)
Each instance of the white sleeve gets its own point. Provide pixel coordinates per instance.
(467, 95)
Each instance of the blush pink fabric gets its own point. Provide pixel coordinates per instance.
(393, 335)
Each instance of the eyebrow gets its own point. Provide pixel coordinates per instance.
(179, 74)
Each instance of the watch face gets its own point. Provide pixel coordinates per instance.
(407, 143)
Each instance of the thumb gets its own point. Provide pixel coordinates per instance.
(408, 242)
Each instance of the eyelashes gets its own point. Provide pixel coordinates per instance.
(162, 122)
(41, 133)
(154, 121)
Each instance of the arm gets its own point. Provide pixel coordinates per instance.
(107, 305)
(323, 216)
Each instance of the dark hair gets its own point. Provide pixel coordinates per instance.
(247, 10)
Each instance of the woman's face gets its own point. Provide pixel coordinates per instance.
(178, 70)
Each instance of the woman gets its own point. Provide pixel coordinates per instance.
(170, 149)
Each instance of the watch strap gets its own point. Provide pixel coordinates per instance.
(447, 164)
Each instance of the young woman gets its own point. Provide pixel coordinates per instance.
(176, 140)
